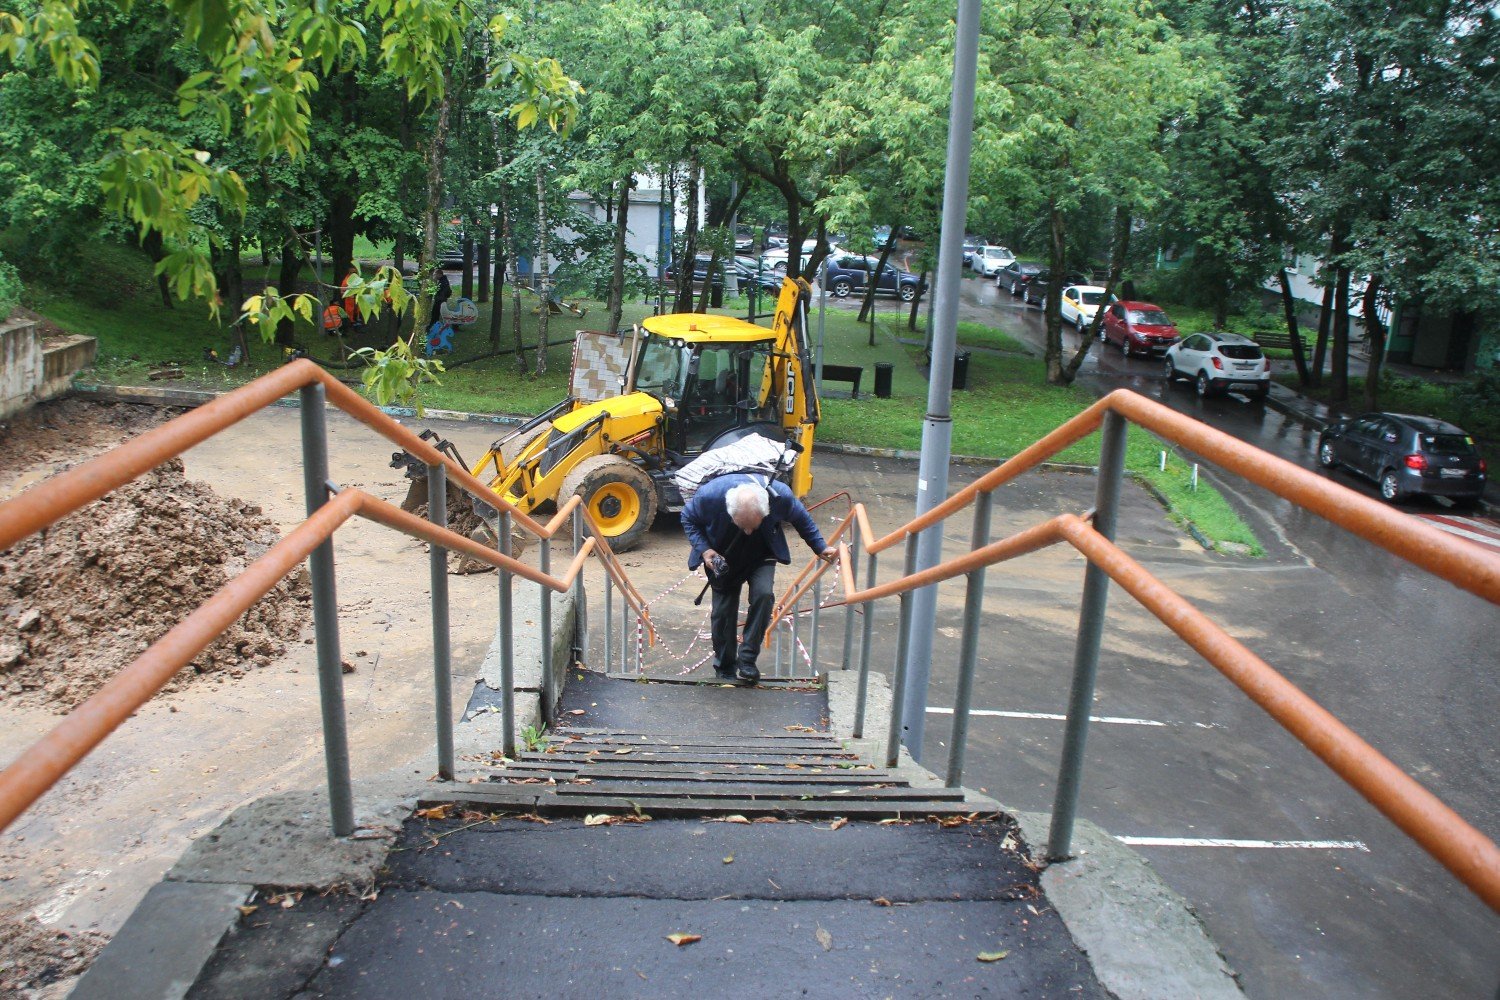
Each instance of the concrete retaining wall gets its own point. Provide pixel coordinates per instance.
(33, 369)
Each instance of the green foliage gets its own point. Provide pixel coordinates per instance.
(533, 740)
(395, 375)
(10, 288)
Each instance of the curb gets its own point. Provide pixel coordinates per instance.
(153, 396)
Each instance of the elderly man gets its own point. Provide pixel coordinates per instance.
(734, 525)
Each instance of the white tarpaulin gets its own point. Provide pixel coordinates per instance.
(752, 453)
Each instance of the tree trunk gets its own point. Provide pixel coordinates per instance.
(1051, 314)
(398, 253)
(1320, 346)
(687, 265)
(1338, 381)
(1375, 332)
(1119, 249)
(286, 284)
(513, 274)
(484, 263)
(1221, 307)
(152, 244)
(497, 304)
(1293, 333)
(617, 262)
(340, 229)
(230, 275)
(543, 276)
(916, 301)
(868, 306)
(466, 285)
(422, 311)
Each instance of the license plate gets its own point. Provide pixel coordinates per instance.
(1452, 473)
(1245, 385)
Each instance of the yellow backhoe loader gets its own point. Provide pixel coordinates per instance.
(644, 404)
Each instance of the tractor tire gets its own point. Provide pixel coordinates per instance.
(618, 495)
(512, 449)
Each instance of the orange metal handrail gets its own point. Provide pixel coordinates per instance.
(31, 774)
(1466, 852)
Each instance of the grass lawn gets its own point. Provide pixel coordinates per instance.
(1008, 404)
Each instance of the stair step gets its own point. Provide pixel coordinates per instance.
(696, 777)
(699, 739)
(700, 743)
(694, 756)
(537, 798)
(737, 790)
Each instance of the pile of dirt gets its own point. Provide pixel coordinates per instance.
(87, 596)
(33, 956)
(38, 442)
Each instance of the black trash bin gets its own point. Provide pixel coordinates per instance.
(883, 371)
(961, 370)
(716, 295)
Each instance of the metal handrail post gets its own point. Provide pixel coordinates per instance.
(780, 637)
(580, 596)
(326, 616)
(442, 645)
(1090, 634)
(544, 616)
(507, 649)
(817, 605)
(898, 677)
(864, 655)
(609, 624)
(849, 608)
(968, 654)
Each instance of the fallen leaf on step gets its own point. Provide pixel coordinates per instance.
(838, 824)
(799, 729)
(575, 711)
(824, 938)
(729, 859)
(599, 819)
(245, 911)
(622, 751)
(991, 956)
(680, 939)
(436, 812)
(882, 901)
(733, 818)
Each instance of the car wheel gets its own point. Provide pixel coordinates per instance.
(1390, 487)
(1170, 370)
(1124, 345)
(841, 288)
(1327, 458)
(1015, 289)
(1204, 386)
(1103, 337)
(779, 267)
(907, 292)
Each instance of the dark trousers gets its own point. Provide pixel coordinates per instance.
(729, 653)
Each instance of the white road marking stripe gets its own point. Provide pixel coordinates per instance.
(996, 713)
(1473, 536)
(1310, 845)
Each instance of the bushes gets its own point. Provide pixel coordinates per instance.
(10, 288)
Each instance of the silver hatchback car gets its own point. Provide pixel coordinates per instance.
(1220, 362)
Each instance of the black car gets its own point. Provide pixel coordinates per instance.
(849, 272)
(1035, 290)
(1015, 276)
(1406, 456)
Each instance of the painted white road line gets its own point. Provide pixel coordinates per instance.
(1306, 845)
(1052, 716)
(1483, 538)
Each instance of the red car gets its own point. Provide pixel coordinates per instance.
(1139, 328)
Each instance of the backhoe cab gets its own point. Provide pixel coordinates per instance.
(677, 386)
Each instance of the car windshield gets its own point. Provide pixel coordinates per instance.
(1149, 317)
(1240, 352)
(659, 370)
(994, 252)
(1448, 444)
(1091, 298)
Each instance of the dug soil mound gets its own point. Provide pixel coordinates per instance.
(87, 596)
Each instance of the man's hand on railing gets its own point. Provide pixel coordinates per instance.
(829, 555)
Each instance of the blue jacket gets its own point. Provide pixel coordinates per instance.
(706, 521)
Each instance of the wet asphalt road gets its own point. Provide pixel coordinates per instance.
(1406, 660)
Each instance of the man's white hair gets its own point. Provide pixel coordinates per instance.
(747, 497)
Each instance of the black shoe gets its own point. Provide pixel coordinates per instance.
(748, 674)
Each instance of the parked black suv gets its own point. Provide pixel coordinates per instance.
(848, 272)
(1406, 456)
